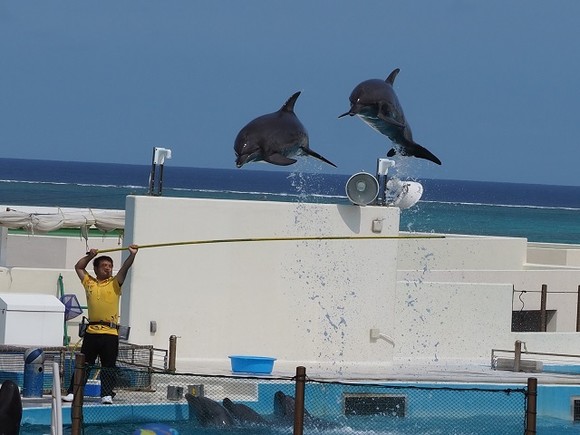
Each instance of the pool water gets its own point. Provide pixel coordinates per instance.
(476, 425)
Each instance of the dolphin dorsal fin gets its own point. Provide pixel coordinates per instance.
(289, 104)
(391, 79)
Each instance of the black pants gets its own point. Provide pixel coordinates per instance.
(106, 347)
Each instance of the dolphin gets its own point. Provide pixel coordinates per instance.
(274, 138)
(10, 408)
(208, 412)
(243, 413)
(376, 103)
(284, 407)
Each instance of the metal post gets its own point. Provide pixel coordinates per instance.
(517, 356)
(543, 308)
(578, 311)
(531, 408)
(78, 390)
(382, 195)
(299, 401)
(172, 353)
(160, 179)
(152, 176)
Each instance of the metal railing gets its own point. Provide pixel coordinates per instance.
(517, 352)
(310, 403)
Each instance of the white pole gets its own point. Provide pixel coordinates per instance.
(56, 422)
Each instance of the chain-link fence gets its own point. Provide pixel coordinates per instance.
(12, 364)
(135, 364)
(182, 403)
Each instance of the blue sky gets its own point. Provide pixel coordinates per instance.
(491, 88)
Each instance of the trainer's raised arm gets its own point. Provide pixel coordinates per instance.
(122, 274)
(81, 266)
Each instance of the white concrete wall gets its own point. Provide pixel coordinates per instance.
(554, 254)
(311, 303)
(442, 321)
(303, 302)
(53, 251)
(37, 261)
(3, 245)
(562, 288)
(463, 253)
(505, 280)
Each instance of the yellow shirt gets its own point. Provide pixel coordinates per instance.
(103, 302)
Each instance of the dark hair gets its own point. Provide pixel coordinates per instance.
(98, 260)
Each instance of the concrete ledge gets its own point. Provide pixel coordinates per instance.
(531, 366)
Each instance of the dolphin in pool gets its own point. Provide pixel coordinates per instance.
(243, 413)
(10, 408)
(376, 103)
(284, 407)
(208, 412)
(274, 138)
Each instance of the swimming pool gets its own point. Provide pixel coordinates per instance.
(355, 426)
(351, 409)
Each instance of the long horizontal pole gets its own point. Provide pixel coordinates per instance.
(271, 239)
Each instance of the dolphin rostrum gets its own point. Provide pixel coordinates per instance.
(376, 103)
(274, 138)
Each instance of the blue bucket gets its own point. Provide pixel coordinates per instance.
(259, 365)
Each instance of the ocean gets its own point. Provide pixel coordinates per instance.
(541, 213)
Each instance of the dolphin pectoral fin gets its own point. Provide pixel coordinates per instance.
(390, 120)
(391, 152)
(314, 154)
(279, 159)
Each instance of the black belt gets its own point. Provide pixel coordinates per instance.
(102, 322)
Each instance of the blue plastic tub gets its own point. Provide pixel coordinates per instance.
(259, 365)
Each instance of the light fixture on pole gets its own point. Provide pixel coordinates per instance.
(159, 156)
(363, 188)
(383, 166)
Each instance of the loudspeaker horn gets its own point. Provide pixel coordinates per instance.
(362, 188)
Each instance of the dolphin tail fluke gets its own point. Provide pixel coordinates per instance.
(424, 153)
(415, 150)
(314, 154)
(289, 104)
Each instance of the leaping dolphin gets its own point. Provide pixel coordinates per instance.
(376, 103)
(274, 138)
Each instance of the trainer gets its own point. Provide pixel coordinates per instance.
(101, 339)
